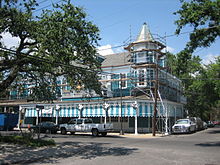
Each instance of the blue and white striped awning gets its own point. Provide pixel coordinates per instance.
(145, 109)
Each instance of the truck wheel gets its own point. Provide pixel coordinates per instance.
(189, 131)
(104, 133)
(31, 130)
(95, 132)
(47, 131)
(63, 131)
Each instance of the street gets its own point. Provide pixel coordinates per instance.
(200, 148)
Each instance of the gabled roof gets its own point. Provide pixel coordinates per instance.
(117, 59)
(145, 34)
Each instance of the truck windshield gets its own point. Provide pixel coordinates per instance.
(182, 121)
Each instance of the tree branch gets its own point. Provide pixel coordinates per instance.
(7, 82)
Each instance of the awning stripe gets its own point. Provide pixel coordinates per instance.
(114, 110)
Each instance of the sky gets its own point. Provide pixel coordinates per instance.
(120, 21)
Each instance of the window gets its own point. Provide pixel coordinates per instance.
(88, 121)
(79, 121)
(72, 121)
(141, 77)
(123, 82)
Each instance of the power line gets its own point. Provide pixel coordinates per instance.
(165, 36)
(41, 2)
(100, 72)
(46, 6)
(46, 60)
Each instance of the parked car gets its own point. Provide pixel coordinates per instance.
(45, 127)
(205, 125)
(198, 121)
(210, 124)
(184, 126)
(85, 125)
(216, 122)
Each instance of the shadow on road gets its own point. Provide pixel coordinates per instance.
(214, 130)
(23, 155)
(84, 136)
(209, 144)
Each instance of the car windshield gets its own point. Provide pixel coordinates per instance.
(47, 124)
(182, 121)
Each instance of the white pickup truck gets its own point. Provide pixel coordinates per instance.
(85, 125)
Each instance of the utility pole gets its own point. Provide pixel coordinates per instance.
(155, 98)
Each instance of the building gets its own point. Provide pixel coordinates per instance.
(129, 80)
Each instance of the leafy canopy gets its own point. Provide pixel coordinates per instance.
(204, 17)
(58, 42)
(201, 83)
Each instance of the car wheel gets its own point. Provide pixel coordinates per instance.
(189, 131)
(72, 133)
(47, 131)
(104, 133)
(63, 131)
(95, 132)
(32, 130)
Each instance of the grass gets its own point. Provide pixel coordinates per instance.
(26, 140)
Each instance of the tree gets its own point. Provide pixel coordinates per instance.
(184, 65)
(59, 42)
(201, 83)
(202, 86)
(204, 17)
(204, 92)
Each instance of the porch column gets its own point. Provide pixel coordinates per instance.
(135, 106)
(105, 107)
(57, 109)
(19, 116)
(80, 108)
(37, 120)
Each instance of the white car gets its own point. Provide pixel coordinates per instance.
(184, 126)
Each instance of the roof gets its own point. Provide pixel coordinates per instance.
(145, 34)
(117, 59)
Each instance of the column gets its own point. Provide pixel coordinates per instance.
(135, 106)
(57, 109)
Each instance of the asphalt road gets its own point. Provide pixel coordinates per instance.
(200, 148)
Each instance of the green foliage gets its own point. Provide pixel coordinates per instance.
(203, 93)
(59, 42)
(204, 17)
(201, 83)
(27, 140)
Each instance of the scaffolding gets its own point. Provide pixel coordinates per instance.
(146, 55)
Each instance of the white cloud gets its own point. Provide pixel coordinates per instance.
(9, 41)
(170, 49)
(119, 50)
(209, 58)
(105, 50)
